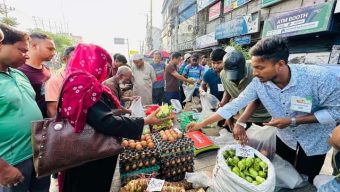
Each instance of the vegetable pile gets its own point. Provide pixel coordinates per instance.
(253, 170)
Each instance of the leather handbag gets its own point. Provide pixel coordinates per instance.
(56, 147)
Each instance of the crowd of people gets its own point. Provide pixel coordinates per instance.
(94, 88)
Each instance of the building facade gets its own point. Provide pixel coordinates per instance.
(311, 26)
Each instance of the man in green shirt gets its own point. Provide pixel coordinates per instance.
(235, 77)
(18, 110)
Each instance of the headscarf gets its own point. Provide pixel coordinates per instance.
(83, 86)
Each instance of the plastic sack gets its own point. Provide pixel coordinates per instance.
(286, 174)
(225, 138)
(227, 181)
(198, 179)
(208, 103)
(137, 108)
(176, 104)
(188, 92)
(263, 139)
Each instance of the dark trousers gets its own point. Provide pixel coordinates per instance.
(157, 95)
(90, 177)
(308, 165)
(31, 183)
(182, 96)
(172, 95)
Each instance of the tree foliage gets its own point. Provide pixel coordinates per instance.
(244, 50)
(11, 21)
(62, 41)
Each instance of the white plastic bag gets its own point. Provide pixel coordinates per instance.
(227, 181)
(176, 104)
(263, 139)
(188, 92)
(286, 174)
(225, 138)
(137, 108)
(198, 179)
(208, 103)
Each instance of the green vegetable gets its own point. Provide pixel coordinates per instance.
(263, 165)
(236, 160)
(241, 164)
(230, 162)
(259, 179)
(249, 161)
(253, 173)
(236, 170)
(262, 174)
(242, 175)
(249, 179)
(257, 166)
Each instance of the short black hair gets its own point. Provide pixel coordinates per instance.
(68, 51)
(195, 56)
(115, 56)
(157, 53)
(12, 35)
(121, 58)
(273, 48)
(233, 59)
(217, 54)
(175, 55)
(38, 35)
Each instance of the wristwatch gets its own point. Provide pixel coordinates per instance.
(241, 124)
(293, 122)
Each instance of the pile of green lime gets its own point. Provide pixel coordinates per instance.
(252, 169)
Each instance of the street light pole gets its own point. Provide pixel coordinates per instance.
(128, 46)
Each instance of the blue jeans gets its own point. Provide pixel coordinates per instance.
(31, 183)
(172, 95)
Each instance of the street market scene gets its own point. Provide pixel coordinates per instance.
(170, 96)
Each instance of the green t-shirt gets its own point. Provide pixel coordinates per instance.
(17, 111)
(234, 90)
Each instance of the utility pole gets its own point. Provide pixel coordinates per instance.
(128, 46)
(151, 40)
(150, 28)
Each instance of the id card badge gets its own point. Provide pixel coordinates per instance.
(302, 104)
(220, 87)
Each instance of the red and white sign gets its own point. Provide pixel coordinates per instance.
(200, 140)
(215, 11)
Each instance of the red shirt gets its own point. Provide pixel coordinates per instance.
(38, 78)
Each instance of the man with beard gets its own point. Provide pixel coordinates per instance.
(302, 99)
(143, 78)
(124, 75)
(212, 78)
(41, 49)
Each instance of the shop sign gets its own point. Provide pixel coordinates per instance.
(303, 21)
(189, 12)
(229, 5)
(185, 4)
(185, 45)
(201, 4)
(241, 26)
(244, 40)
(206, 41)
(266, 3)
(214, 11)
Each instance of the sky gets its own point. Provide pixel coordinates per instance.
(97, 21)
